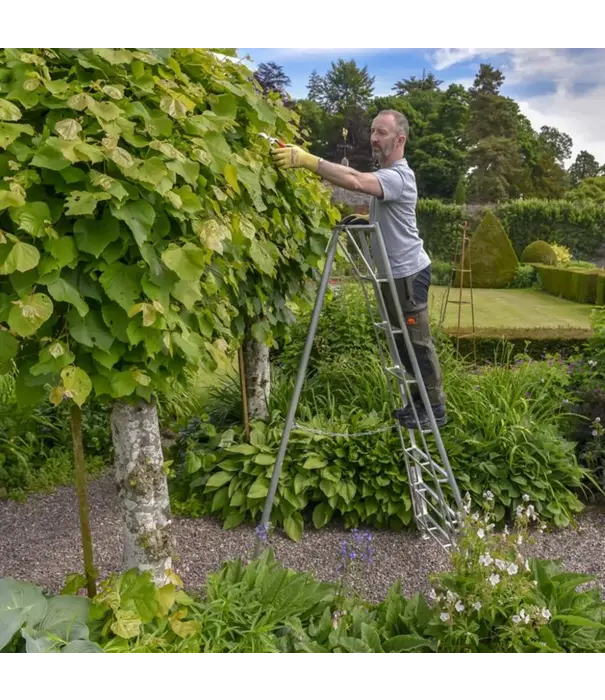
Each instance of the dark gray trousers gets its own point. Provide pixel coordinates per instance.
(413, 294)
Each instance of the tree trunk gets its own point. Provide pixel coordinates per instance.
(142, 488)
(258, 378)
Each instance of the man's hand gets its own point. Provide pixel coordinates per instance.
(294, 157)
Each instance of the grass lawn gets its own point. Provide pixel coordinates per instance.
(510, 312)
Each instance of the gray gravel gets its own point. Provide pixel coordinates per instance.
(40, 542)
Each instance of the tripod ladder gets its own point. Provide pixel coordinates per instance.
(435, 496)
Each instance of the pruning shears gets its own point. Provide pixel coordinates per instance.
(272, 140)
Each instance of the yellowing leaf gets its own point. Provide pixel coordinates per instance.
(68, 129)
(127, 624)
(141, 378)
(28, 315)
(212, 233)
(80, 101)
(183, 629)
(57, 394)
(76, 383)
(9, 112)
(165, 596)
(174, 107)
(116, 92)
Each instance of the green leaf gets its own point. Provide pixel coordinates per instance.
(314, 462)
(406, 642)
(188, 262)
(259, 252)
(577, 621)
(233, 520)
(230, 172)
(10, 199)
(22, 257)
(29, 314)
(259, 489)
(122, 284)
(188, 170)
(11, 622)
(187, 292)
(106, 111)
(218, 479)
(11, 132)
(33, 218)
(127, 624)
(61, 290)
(138, 216)
(90, 330)
(68, 129)
(322, 514)
(49, 156)
(371, 637)
(9, 347)
(108, 184)
(293, 526)
(122, 384)
(83, 203)
(52, 359)
(93, 236)
(63, 249)
(82, 646)
(77, 384)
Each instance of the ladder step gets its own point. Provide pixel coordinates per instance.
(459, 269)
(451, 301)
(424, 460)
(367, 278)
(398, 372)
(384, 326)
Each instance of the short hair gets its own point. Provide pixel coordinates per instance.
(401, 123)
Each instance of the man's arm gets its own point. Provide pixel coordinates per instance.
(340, 175)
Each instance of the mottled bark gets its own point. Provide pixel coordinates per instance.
(258, 378)
(142, 488)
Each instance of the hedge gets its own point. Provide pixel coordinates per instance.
(580, 227)
(583, 286)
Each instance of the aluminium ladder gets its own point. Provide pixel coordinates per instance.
(436, 509)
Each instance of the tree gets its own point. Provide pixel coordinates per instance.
(590, 189)
(143, 228)
(315, 87)
(272, 78)
(557, 142)
(346, 88)
(585, 165)
(496, 166)
(427, 82)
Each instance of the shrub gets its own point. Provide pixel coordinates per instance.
(586, 286)
(441, 273)
(526, 276)
(562, 252)
(503, 435)
(493, 260)
(539, 252)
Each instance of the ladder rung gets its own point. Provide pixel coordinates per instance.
(414, 448)
(367, 278)
(451, 301)
(460, 269)
(397, 372)
(383, 325)
(426, 487)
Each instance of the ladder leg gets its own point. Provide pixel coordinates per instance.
(298, 387)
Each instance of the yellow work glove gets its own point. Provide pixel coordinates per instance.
(294, 157)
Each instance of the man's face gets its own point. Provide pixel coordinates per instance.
(383, 137)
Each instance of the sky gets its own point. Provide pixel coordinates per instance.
(563, 88)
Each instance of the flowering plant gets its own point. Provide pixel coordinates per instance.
(495, 599)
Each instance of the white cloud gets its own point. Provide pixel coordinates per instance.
(578, 114)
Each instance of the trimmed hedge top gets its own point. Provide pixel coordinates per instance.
(493, 259)
(539, 252)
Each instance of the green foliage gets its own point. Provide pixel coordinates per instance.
(504, 435)
(493, 259)
(441, 273)
(562, 252)
(139, 210)
(585, 286)
(491, 599)
(591, 189)
(579, 228)
(361, 479)
(524, 277)
(539, 252)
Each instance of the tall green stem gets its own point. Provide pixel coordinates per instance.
(78, 448)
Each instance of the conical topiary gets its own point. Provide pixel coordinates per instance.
(493, 259)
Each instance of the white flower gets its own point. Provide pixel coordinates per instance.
(494, 579)
(506, 529)
(524, 616)
(477, 606)
(512, 569)
(545, 612)
(488, 495)
(459, 606)
(444, 616)
(527, 568)
(594, 433)
(475, 517)
(432, 594)
(516, 619)
(480, 533)
(450, 597)
(519, 511)
(500, 564)
(485, 559)
(597, 420)
(525, 497)
(531, 513)
(520, 540)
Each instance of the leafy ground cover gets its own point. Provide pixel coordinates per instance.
(491, 599)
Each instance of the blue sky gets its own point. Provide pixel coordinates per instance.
(564, 88)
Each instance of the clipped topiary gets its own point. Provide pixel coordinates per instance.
(539, 252)
(493, 259)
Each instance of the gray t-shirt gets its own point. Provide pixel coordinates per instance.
(396, 214)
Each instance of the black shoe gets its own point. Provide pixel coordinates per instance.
(406, 417)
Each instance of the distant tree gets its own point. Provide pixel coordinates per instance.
(346, 87)
(590, 189)
(427, 82)
(558, 142)
(585, 165)
(272, 78)
(315, 87)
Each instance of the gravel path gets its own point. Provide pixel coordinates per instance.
(40, 542)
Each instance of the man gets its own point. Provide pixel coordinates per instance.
(393, 206)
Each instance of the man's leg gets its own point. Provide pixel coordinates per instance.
(413, 298)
